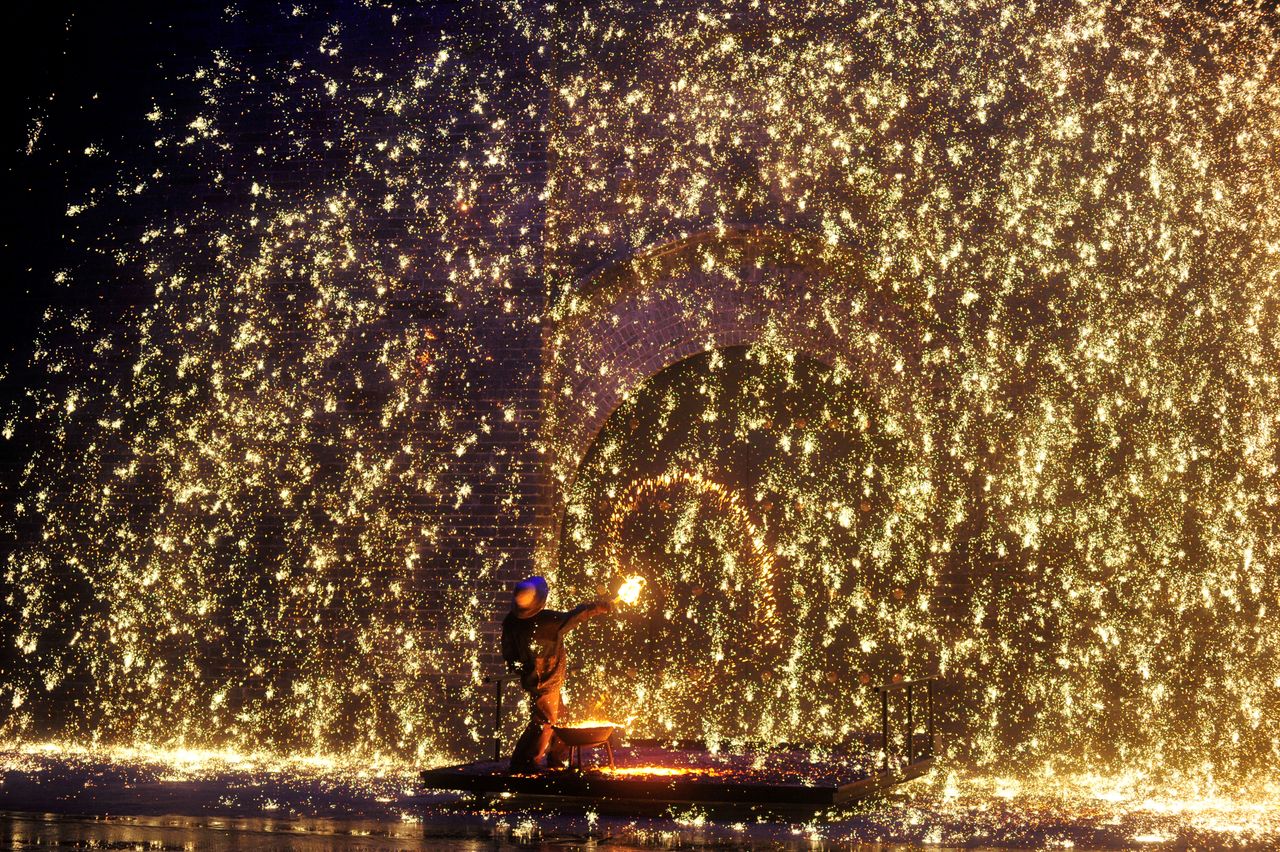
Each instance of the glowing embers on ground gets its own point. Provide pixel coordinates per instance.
(197, 763)
(1132, 807)
(725, 501)
(76, 777)
(946, 807)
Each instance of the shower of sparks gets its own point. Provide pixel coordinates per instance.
(236, 525)
(779, 605)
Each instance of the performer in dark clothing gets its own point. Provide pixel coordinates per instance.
(533, 645)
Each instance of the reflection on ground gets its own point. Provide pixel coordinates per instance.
(53, 796)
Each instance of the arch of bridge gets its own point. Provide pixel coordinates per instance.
(730, 286)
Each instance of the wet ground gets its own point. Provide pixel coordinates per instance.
(55, 797)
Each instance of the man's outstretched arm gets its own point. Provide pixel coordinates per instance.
(582, 612)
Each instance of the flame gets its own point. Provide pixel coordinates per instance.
(589, 723)
(629, 592)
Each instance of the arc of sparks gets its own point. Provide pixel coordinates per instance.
(728, 502)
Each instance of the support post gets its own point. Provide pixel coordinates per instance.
(929, 696)
(884, 726)
(911, 727)
(497, 719)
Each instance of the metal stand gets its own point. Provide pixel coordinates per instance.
(498, 681)
(608, 747)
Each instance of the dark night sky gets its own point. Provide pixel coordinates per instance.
(86, 73)
(83, 73)
(57, 58)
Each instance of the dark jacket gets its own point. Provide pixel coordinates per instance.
(534, 646)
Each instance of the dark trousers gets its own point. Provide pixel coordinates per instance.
(538, 738)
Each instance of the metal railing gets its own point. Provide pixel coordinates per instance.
(909, 740)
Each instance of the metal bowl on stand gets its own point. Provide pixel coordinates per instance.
(586, 736)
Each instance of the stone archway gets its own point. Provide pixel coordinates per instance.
(730, 286)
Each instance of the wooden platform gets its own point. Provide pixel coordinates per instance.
(649, 773)
(653, 775)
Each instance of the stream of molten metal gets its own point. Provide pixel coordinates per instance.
(657, 770)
